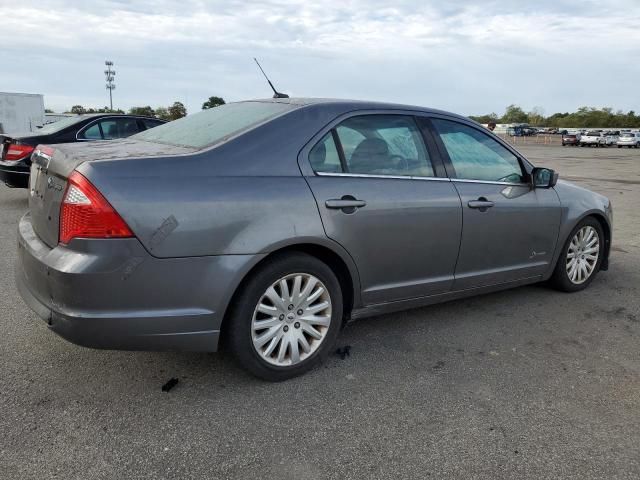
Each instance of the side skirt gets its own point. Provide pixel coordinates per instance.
(383, 308)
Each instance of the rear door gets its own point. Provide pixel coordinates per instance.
(380, 197)
(509, 229)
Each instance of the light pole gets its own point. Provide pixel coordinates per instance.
(109, 75)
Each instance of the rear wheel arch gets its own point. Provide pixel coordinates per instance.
(333, 260)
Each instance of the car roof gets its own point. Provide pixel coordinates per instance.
(85, 116)
(350, 105)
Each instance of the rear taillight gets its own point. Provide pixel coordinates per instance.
(85, 213)
(15, 152)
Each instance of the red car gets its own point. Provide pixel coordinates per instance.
(570, 139)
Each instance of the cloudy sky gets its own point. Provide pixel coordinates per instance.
(470, 57)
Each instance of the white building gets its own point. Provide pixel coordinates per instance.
(21, 112)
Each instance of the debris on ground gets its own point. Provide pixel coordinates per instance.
(170, 384)
(344, 352)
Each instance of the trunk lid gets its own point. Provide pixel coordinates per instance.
(52, 165)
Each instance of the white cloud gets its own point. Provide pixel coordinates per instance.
(470, 57)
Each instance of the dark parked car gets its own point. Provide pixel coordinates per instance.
(16, 150)
(571, 139)
(269, 224)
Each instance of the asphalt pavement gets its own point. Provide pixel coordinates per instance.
(526, 383)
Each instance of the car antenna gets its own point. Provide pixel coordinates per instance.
(276, 94)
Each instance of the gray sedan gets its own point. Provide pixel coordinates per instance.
(266, 225)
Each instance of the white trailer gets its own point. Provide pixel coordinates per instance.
(21, 112)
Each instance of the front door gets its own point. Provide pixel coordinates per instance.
(378, 197)
(510, 229)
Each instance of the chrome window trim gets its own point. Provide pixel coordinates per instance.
(490, 182)
(366, 175)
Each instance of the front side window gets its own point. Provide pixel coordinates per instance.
(476, 156)
(374, 145)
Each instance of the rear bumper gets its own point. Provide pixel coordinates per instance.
(14, 175)
(112, 294)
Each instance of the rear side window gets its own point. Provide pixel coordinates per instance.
(477, 156)
(374, 145)
(215, 124)
(109, 129)
(324, 156)
(92, 133)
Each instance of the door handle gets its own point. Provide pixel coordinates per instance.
(335, 203)
(481, 204)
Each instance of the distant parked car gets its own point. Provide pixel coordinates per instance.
(610, 138)
(16, 149)
(592, 138)
(571, 139)
(629, 139)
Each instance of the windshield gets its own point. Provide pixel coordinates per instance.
(626, 135)
(593, 134)
(213, 125)
(59, 125)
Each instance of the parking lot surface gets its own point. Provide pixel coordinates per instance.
(527, 383)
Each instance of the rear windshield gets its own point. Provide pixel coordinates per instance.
(213, 125)
(626, 135)
(59, 125)
(593, 134)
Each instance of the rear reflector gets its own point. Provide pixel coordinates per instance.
(45, 151)
(17, 152)
(85, 213)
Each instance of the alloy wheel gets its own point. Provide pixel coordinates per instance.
(582, 254)
(291, 319)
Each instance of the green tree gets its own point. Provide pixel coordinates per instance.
(163, 113)
(536, 117)
(213, 102)
(78, 109)
(48, 110)
(484, 119)
(514, 114)
(177, 110)
(143, 111)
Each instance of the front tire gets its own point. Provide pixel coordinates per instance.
(287, 317)
(580, 258)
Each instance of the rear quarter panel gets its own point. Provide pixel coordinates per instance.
(244, 196)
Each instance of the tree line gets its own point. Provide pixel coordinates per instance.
(583, 117)
(171, 112)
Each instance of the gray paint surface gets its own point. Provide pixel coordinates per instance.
(449, 391)
(202, 219)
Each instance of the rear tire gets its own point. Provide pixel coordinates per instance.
(259, 329)
(580, 251)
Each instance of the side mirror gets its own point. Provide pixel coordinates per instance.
(544, 178)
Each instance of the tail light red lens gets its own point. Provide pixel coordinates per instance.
(85, 213)
(15, 152)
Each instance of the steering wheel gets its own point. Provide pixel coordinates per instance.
(400, 161)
